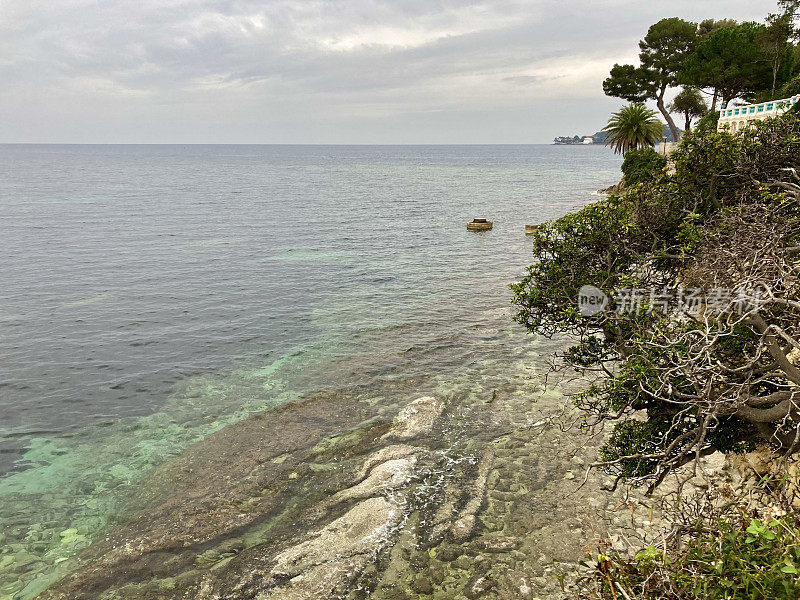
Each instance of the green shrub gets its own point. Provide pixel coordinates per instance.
(791, 87)
(642, 165)
(742, 560)
(709, 122)
(720, 218)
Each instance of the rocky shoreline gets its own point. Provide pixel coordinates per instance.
(325, 499)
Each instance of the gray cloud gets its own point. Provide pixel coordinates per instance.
(311, 71)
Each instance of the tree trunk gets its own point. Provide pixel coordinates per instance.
(676, 135)
(688, 123)
(714, 100)
(775, 69)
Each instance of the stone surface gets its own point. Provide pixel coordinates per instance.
(422, 585)
(386, 476)
(478, 586)
(498, 544)
(324, 500)
(466, 523)
(479, 225)
(415, 418)
(336, 553)
(384, 454)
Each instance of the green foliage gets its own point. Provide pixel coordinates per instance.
(729, 60)
(775, 46)
(661, 54)
(690, 233)
(573, 250)
(629, 83)
(708, 25)
(791, 87)
(740, 559)
(633, 126)
(690, 103)
(791, 9)
(650, 237)
(664, 48)
(642, 165)
(709, 122)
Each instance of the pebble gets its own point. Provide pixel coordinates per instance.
(422, 585)
(499, 544)
(479, 585)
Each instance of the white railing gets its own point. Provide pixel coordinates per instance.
(737, 117)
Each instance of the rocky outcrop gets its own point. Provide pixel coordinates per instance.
(332, 557)
(463, 503)
(388, 476)
(337, 553)
(415, 419)
(388, 453)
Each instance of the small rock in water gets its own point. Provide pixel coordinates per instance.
(463, 527)
(500, 544)
(448, 554)
(478, 586)
(422, 585)
(479, 225)
(416, 418)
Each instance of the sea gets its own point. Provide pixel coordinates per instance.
(153, 294)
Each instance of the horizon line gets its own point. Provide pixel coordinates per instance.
(287, 144)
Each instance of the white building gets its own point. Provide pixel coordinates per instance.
(736, 118)
(587, 139)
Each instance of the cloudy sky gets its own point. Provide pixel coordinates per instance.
(320, 71)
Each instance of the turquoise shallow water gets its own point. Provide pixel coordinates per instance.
(153, 294)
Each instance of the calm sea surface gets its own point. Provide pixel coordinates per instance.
(149, 295)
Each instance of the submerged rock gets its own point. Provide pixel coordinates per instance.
(498, 544)
(422, 585)
(327, 499)
(384, 477)
(479, 585)
(463, 527)
(336, 553)
(415, 419)
(384, 454)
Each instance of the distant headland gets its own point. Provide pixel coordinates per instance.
(597, 138)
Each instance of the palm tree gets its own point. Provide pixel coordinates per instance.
(634, 126)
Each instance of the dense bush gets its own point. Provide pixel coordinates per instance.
(679, 385)
(741, 559)
(709, 122)
(642, 165)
